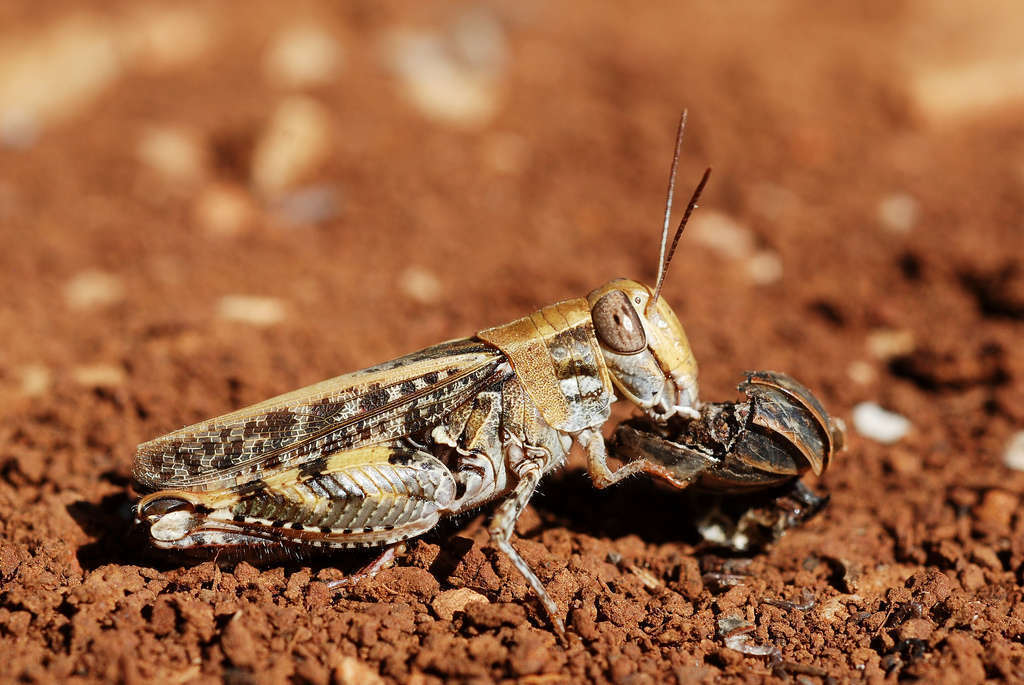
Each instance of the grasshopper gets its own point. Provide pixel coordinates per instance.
(378, 456)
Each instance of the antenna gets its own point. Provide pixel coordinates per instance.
(666, 259)
(668, 200)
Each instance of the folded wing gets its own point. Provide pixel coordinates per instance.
(376, 405)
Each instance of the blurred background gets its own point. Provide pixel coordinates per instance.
(203, 204)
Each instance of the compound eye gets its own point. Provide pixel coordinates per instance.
(617, 324)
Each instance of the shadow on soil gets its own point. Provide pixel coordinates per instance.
(639, 506)
(110, 523)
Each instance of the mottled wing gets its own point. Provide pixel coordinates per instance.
(372, 406)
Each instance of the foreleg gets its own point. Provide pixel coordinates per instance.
(602, 476)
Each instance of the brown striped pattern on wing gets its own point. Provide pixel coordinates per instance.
(373, 406)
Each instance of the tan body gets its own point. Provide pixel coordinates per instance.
(376, 457)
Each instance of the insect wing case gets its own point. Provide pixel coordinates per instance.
(374, 406)
(779, 433)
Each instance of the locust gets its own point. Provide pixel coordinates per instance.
(379, 456)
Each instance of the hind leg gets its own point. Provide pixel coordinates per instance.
(381, 562)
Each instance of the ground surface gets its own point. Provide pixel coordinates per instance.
(202, 207)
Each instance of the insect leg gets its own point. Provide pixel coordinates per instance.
(597, 464)
(379, 563)
(502, 525)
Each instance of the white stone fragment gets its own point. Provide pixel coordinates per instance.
(765, 267)
(737, 634)
(722, 234)
(947, 93)
(833, 608)
(160, 36)
(294, 143)
(223, 209)
(172, 152)
(861, 372)
(881, 425)
(1013, 456)
(98, 375)
(49, 76)
(91, 289)
(349, 670)
(252, 309)
(420, 285)
(898, 212)
(303, 55)
(886, 343)
(52, 74)
(35, 379)
(452, 77)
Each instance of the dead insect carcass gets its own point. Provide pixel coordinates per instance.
(779, 433)
(762, 444)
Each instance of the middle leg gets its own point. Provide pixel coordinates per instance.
(502, 526)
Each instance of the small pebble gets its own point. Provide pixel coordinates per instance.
(294, 143)
(172, 152)
(831, 609)
(968, 88)
(420, 285)
(765, 267)
(972, 578)
(35, 379)
(721, 234)
(861, 372)
(348, 670)
(251, 309)
(904, 462)
(997, 508)
(303, 55)
(98, 375)
(1013, 456)
(223, 209)
(91, 289)
(158, 36)
(736, 634)
(446, 603)
(53, 74)
(886, 343)
(898, 212)
(439, 84)
(872, 421)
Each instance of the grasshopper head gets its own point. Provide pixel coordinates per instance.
(645, 348)
(644, 345)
